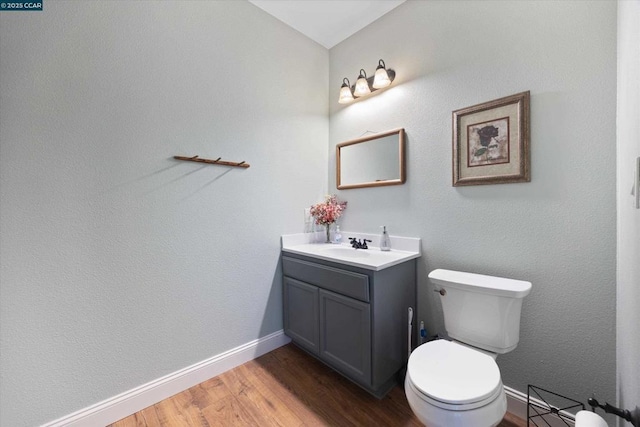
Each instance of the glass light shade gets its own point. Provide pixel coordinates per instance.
(345, 92)
(381, 78)
(362, 86)
(345, 95)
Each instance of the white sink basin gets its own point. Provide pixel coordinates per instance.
(341, 251)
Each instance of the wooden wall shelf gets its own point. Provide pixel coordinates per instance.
(217, 161)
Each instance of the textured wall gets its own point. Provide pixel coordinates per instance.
(559, 230)
(628, 217)
(118, 264)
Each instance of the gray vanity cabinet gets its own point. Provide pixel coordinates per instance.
(353, 319)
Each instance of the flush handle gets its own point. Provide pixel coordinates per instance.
(440, 291)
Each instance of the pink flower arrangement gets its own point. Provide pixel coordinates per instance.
(328, 212)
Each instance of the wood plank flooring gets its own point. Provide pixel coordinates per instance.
(286, 387)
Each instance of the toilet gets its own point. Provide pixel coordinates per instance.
(457, 383)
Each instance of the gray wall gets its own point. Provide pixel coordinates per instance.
(118, 264)
(628, 314)
(559, 230)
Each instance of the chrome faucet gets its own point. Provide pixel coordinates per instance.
(357, 244)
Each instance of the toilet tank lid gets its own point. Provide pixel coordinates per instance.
(481, 283)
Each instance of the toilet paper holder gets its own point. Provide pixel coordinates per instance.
(542, 403)
(632, 417)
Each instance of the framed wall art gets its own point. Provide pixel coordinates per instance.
(491, 142)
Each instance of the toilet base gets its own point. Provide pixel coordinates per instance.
(488, 415)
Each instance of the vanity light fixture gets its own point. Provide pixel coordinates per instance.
(366, 85)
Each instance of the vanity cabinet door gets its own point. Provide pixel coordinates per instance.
(301, 313)
(345, 335)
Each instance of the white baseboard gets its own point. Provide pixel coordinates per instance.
(134, 400)
(517, 405)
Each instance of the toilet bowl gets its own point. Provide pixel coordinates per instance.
(450, 385)
(457, 383)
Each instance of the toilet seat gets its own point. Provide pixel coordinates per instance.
(453, 377)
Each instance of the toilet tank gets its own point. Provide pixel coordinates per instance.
(482, 311)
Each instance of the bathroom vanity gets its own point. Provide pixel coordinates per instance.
(349, 308)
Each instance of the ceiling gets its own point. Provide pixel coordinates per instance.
(328, 22)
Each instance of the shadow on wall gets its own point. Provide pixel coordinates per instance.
(429, 307)
(274, 303)
(162, 177)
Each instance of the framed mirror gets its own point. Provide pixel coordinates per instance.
(371, 161)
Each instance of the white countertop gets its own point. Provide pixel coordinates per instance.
(402, 249)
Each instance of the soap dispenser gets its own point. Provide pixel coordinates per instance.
(337, 237)
(385, 241)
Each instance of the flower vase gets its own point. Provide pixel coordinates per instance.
(328, 230)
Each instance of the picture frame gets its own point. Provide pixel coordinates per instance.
(491, 143)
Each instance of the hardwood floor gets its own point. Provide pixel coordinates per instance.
(286, 388)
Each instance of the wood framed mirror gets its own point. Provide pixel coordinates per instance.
(371, 161)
